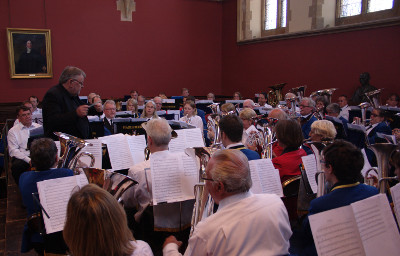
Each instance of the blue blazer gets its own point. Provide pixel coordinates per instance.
(373, 138)
(306, 128)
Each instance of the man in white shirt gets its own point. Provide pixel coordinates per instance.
(17, 139)
(244, 224)
(248, 103)
(35, 101)
(344, 107)
(262, 100)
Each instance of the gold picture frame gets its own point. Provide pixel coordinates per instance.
(29, 53)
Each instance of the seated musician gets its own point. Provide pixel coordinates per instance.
(149, 111)
(134, 94)
(200, 112)
(227, 108)
(190, 115)
(171, 217)
(132, 105)
(44, 159)
(96, 225)
(248, 103)
(17, 139)
(289, 96)
(110, 110)
(342, 163)
(141, 101)
(262, 100)
(307, 106)
(250, 132)
(97, 108)
(393, 100)
(288, 134)
(333, 110)
(322, 130)
(274, 115)
(237, 96)
(211, 96)
(344, 107)
(158, 101)
(244, 224)
(231, 135)
(320, 105)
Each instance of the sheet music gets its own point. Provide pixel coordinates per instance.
(137, 144)
(395, 192)
(335, 232)
(187, 138)
(265, 179)
(97, 152)
(173, 177)
(310, 166)
(54, 195)
(119, 152)
(377, 227)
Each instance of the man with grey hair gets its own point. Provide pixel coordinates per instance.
(169, 218)
(110, 110)
(307, 107)
(158, 102)
(244, 224)
(248, 103)
(63, 111)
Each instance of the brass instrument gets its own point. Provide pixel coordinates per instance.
(213, 124)
(275, 94)
(113, 182)
(374, 98)
(299, 91)
(70, 148)
(326, 93)
(383, 152)
(118, 105)
(202, 197)
(265, 139)
(363, 106)
(292, 100)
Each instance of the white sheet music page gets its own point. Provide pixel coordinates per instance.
(265, 178)
(54, 195)
(335, 232)
(395, 192)
(97, 152)
(310, 166)
(173, 177)
(119, 152)
(187, 138)
(178, 144)
(137, 144)
(377, 227)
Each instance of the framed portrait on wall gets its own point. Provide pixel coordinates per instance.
(29, 53)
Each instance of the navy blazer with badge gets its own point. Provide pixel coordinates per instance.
(306, 127)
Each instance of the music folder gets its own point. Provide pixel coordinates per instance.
(366, 227)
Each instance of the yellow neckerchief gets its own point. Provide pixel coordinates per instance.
(346, 186)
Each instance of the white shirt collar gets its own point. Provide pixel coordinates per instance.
(233, 199)
(234, 145)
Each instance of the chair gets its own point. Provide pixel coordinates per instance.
(290, 192)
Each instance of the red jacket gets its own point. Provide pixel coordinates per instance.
(288, 163)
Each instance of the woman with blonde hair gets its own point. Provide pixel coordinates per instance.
(246, 115)
(322, 129)
(149, 110)
(190, 115)
(96, 224)
(131, 105)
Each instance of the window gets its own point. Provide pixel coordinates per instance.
(274, 16)
(356, 11)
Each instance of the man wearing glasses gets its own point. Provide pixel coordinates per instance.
(307, 106)
(110, 110)
(245, 223)
(63, 111)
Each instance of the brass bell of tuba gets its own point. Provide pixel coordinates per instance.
(326, 93)
(299, 91)
(275, 94)
(374, 97)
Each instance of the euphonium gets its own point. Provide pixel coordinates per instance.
(292, 111)
(374, 97)
(202, 197)
(70, 148)
(299, 91)
(275, 95)
(383, 152)
(267, 138)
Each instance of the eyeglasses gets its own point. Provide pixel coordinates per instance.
(304, 106)
(79, 82)
(204, 177)
(110, 109)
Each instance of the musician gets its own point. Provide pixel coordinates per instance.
(393, 100)
(190, 115)
(320, 105)
(158, 101)
(248, 103)
(322, 129)
(185, 92)
(247, 115)
(90, 97)
(262, 100)
(211, 96)
(344, 107)
(307, 106)
(17, 139)
(231, 135)
(132, 105)
(334, 110)
(244, 224)
(162, 95)
(289, 96)
(27, 104)
(134, 94)
(35, 101)
(171, 217)
(276, 114)
(44, 159)
(63, 111)
(289, 136)
(110, 110)
(140, 101)
(97, 108)
(96, 225)
(359, 95)
(226, 108)
(342, 163)
(237, 96)
(149, 110)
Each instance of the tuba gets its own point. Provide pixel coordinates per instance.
(275, 94)
(326, 93)
(71, 147)
(292, 111)
(299, 91)
(374, 98)
(264, 139)
(213, 124)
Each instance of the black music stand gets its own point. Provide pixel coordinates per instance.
(355, 111)
(96, 129)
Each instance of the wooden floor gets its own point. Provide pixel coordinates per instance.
(12, 220)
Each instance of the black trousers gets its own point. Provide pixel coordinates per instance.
(18, 166)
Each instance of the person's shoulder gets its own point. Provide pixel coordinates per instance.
(368, 189)
(141, 248)
(251, 154)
